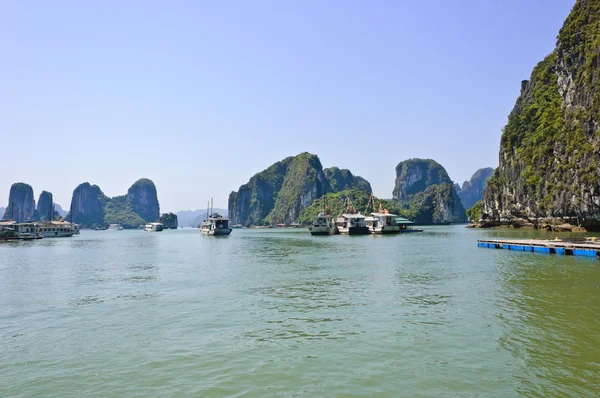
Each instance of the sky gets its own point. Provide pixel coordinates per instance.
(200, 95)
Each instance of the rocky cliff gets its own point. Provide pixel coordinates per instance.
(45, 206)
(169, 220)
(425, 191)
(343, 179)
(549, 162)
(21, 204)
(279, 193)
(87, 205)
(90, 207)
(144, 199)
(472, 190)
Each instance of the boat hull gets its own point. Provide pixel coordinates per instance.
(63, 234)
(387, 230)
(355, 231)
(322, 230)
(216, 232)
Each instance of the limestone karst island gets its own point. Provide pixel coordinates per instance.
(300, 199)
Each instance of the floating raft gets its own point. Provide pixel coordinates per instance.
(587, 247)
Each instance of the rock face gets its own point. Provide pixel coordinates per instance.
(87, 205)
(549, 163)
(21, 204)
(144, 199)
(424, 188)
(343, 179)
(90, 207)
(45, 206)
(472, 190)
(58, 208)
(169, 220)
(279, 193)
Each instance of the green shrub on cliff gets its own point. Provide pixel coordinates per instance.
(118, 210)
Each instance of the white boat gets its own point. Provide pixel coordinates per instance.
(351, 222)
(383, 223)
(323, 224)
(57, 229)
(115, 227)
(216, 224)
(154, 227)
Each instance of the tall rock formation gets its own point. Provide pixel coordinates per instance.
(343, 179)
(279, 193)
(549, 162)
(169, 220)
(45, 206)
(424, 188)
(472, 190)
(144, 199)
(90, 207)
(87, 205)
(21, 204)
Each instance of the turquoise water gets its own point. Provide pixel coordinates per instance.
(281, 313)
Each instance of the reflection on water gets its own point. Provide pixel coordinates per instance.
(281, 313)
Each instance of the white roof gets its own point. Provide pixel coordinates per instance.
(346, 215)
(384, 215)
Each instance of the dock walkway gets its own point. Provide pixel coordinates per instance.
(587, 247)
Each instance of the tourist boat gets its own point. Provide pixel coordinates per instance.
(216, 224)
(382, 221)
(115, 227)
(323, 224)
(12, 230)
(57, 229)
(351, 222)
(154, 227)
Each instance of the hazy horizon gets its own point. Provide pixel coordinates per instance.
(199, 97)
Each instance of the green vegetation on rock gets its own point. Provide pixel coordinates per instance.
(91, 208)
(118, 210)
(343, 179)
(280, 193)
(549, 165)
(169, 220)
(425, 194)
(336, 203)
(474, 213)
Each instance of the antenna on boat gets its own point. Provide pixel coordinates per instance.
(212, 209)
(207, 207)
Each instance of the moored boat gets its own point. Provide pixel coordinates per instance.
(57, 229)
(154, 227)
(215, 224)
(323, 224)
(115, 227)
(351, 222)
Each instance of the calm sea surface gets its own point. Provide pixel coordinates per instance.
(281, 313)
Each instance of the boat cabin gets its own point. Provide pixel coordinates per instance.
(348, 220)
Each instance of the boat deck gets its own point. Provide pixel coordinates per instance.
(588, 247)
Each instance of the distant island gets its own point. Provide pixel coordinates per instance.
(296, 188)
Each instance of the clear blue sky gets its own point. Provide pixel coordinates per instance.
(201, 95)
